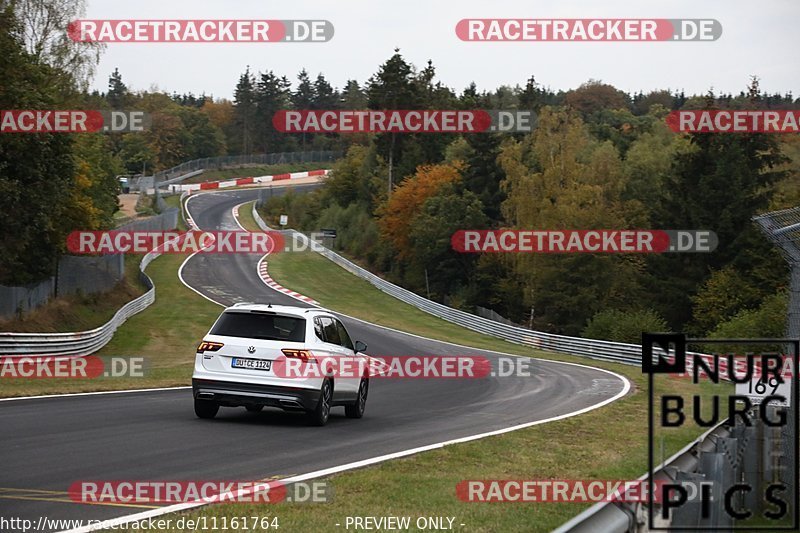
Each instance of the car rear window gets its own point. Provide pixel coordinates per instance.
(261, 326)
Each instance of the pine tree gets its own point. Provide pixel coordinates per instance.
(117, 91)
(244, 107)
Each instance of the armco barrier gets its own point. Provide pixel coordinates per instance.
(82, 342)
(195, 167)
(597, 349)
(190, 187)
(697, 458)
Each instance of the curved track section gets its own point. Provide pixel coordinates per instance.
(51, 443)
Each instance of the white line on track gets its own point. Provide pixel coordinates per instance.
(127, 519)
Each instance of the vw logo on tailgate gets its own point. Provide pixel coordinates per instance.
(251, 349)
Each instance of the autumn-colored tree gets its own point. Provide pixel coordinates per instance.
(397, 214)
(594, 96)
(220, 112)
(560, 178)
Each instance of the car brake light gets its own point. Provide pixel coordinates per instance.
(303, 355)
(207, 346)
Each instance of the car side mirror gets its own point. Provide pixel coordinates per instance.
(360, 346)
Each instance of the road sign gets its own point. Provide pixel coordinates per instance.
(284, 220)
(757, 389)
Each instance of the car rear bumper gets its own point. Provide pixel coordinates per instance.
(233, 394)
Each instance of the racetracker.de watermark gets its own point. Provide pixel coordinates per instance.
(552, 490)
(305, 364)
(73, 121)
(583, 241)
(588, 30)
(405, 121)
(87, 367)
(194, 491)
(179, 242)
(200, 31)
(734, 121)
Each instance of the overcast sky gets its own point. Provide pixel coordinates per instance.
(758, 38)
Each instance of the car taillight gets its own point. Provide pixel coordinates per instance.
(206, 346)
(303, 355)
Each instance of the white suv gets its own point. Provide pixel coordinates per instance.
(236, 366)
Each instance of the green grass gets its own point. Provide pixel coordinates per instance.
(607, 443)
(79, 312)
(246, 217)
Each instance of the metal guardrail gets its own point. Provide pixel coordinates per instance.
(195, 166)
(81, 342)
(617, 352)
(704, 459)
(621, 517)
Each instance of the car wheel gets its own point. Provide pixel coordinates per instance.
(319, 416)
(356, 410)
(254, 408)
(205, 408)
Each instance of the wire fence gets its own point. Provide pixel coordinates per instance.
(84, 274)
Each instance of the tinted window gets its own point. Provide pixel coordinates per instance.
(318, 329)
(343, 336)
(329, 328)
(261, 326)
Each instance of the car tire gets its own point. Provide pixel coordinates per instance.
(356, 409)
(320, 414)
(254, 408)
(205, 408)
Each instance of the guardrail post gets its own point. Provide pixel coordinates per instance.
(718, 472)
(688, 514)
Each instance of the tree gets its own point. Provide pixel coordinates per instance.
(718, 185)
(349, 181)
(725, 293)
(42, 25)
(220, 113)
(649, 162)
(117, 91)
(483, 174)
(136, 154)
(532, 97)
(397, 215)
(353, 97)
(272, 94)
(594, 96)
(37, 170)
(325, 96)
(559, 178)
(244, 109)
(643, 103)
(204, 139)
(623, 326)
(304, 96)
(393, 87)
(448, 210)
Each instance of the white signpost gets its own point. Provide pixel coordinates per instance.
(757, 389)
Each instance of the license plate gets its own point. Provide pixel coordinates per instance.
(251, 364)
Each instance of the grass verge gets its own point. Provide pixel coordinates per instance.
(79, 312)
(608, 443)
(605, 444)
(165, 335)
